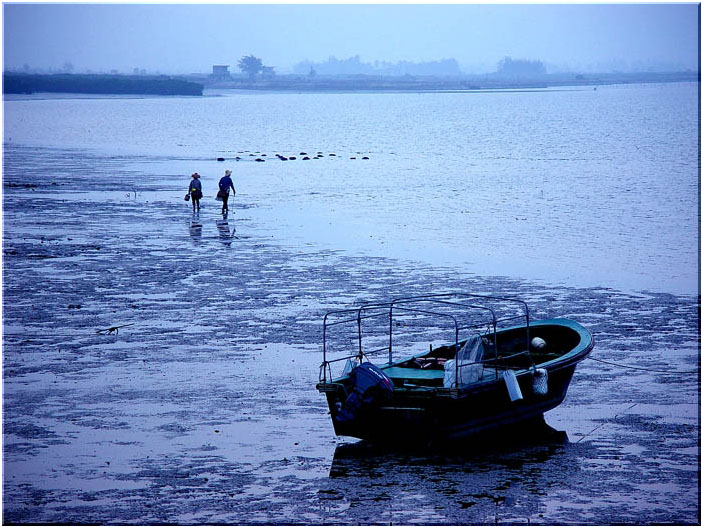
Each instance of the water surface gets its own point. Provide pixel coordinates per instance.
(581, 186)
(201, 409)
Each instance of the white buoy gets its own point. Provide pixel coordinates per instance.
(515, 393)
(538, 343)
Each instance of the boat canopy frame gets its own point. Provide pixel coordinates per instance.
(418, 305)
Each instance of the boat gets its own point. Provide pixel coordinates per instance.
(444, 367)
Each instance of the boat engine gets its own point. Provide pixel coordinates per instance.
(370, 384)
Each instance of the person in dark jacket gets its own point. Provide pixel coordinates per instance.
(195, 190)
(224, 185)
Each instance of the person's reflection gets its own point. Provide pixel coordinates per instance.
(195, 228)
(226, 233)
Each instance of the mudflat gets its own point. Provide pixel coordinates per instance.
(159, 367)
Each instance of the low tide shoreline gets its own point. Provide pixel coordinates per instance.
(21, 83)
(203, 410)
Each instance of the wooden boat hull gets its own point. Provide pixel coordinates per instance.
(423, 415)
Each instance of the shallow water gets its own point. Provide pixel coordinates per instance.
(576, 187)
(203, 410)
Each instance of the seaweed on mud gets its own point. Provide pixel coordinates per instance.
(175, 429)
(658, 427)
(106, 423)
(27, 430)
(63, 367)
(10, 448)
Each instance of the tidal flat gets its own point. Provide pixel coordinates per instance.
(201, 407)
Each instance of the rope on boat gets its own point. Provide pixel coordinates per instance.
(604, 423)
(113, 329)
(643, 369)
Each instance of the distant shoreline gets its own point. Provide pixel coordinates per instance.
(18, 83)
(28, 84)
(476, 83)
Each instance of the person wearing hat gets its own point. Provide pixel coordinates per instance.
(195, 191)
(224, 185)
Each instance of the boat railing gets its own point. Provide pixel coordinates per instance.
(427, 305)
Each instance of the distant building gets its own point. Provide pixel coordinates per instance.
(220, 73)
(267, 72)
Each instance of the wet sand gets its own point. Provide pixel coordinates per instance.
(203, 409)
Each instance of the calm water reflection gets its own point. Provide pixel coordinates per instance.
(226, 230)
(501, 477)
(195, 228)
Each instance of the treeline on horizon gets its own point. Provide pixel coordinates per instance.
(505, 67)
(358, 83)
(353, 75)
(20, 83)
(354, 66)
(435, 68)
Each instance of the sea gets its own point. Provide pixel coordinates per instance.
(582, 186)
(159, 364)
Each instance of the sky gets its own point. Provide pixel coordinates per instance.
(190, 38)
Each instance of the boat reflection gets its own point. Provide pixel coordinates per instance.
(515, 445)
(506, 478)
(513, 478)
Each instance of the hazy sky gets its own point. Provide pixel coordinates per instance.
(186, 38)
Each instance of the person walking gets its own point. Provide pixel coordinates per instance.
(224, 185)
(195, 190)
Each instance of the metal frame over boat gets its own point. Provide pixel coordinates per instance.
(494, 366)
